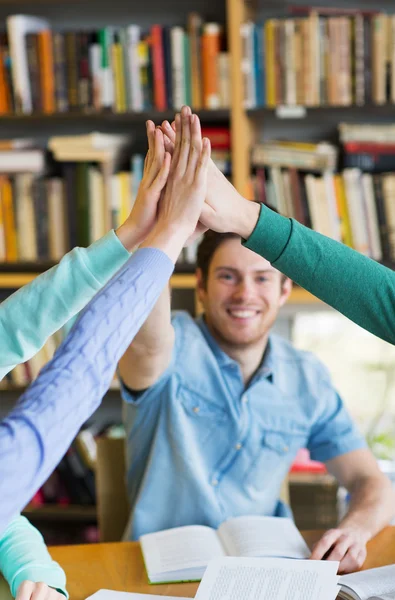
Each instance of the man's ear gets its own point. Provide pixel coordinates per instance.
(286, 289)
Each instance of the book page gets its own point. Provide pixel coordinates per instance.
(372, 582)
(262, 536)
(268, 579)
(180, 548)
(112, 595)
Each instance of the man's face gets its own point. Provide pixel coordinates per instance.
(242, 296)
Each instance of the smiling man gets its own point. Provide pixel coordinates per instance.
(217, 408)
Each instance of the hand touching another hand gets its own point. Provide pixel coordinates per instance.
(28, 590)
(156, 170)
(348, 546)
(183, 198)
(224, 210)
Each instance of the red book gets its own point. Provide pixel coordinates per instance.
(158, 67)
(370, 147)
(218, 136)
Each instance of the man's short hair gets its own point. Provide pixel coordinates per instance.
(209, 243)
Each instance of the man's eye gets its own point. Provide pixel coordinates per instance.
(226, 276)
(262, 279)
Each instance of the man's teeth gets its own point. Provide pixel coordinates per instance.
(243, 314)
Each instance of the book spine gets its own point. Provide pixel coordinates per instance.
(195, 24)
(210, 49)
(32, 52)
(158, 67)
(95, 68)
(187, 70)
(107, 84)
(136, 91)
(178, 67)
(60, 67)
(72, 71)
(41, 218)
(45, 52)
(84, 75)
(359, 60)
(168, 63)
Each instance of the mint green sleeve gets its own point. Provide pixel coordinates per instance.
(355, 285)
(37, 310)
(24, 556)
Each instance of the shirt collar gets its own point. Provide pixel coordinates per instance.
(265, 370)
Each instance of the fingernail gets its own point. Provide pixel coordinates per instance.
(166, 124)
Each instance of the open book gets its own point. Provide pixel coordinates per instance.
(269, 579)
(372, 584)
(183, 553)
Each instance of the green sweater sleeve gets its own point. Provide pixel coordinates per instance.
(37, 310)
(24, 556)
(357, 286)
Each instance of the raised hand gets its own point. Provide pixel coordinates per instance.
(156, 170)
(224, 210)
(183, 198)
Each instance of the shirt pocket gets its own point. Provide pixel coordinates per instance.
(204, 415)
(273, 457)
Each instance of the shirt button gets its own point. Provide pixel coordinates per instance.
(214, 482)
(238, 446)
(196, 409)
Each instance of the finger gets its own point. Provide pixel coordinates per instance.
(150, 126)
(159, 154)
(195, 146)
(340, 549)
(324, 544)
(185, 141)
(25, 590)
(203, 162)
(177, 142)
(173, 125)
(40, 591)
(161, 178)
(353, 560)
(169, 145)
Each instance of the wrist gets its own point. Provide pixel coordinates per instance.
(169, 239)
(247, 218)
(129, 236)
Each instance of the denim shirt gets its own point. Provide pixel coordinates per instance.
(201, 447)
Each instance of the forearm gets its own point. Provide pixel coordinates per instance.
(37, 433)
(358, 287)
(36, 311)
(150, 351)
(24, 556)
(372, 506)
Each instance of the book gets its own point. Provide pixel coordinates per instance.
(372, 584)
(269, 579)
(183, 553)
(113, 595)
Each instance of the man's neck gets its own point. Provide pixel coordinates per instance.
(249, 357)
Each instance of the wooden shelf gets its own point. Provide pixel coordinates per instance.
(368, 111)
(206, 116)
(56, 512)
(178, 280)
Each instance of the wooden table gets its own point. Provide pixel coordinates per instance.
(119, 566)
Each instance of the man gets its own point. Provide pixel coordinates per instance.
(217, 408)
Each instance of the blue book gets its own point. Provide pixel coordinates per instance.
(259, 70)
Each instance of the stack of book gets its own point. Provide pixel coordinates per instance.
(353, 207)
(119, 69)
(325, 57)
(48, 208)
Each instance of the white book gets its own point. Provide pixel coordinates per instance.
(94, 141)
(18, 161)
(356, 210)
(223, 66)
(372, 220)
(97, 216)
(112, 595)
(372, 584)
(25, 217)
(269, 579)
(95, 62)
(58, 243)
(333, 214)
(17, 27)
(247, 64)
(136, 90)
(177, 35)
(183, 553)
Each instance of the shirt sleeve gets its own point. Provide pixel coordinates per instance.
(357, 286)
(38, 431)
(334, 432)
(24, 556)
(37, 310)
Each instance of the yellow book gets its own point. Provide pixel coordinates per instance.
(269, 27)
(11, 247)
(341, 200)
(120, 91)
(306, 146)
(2, 233)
